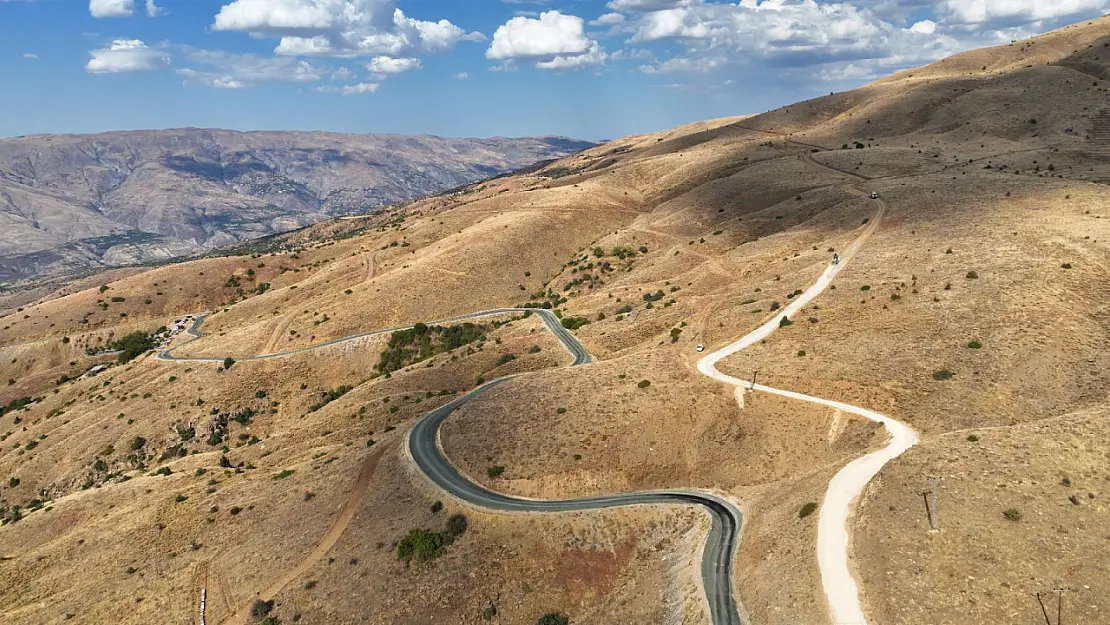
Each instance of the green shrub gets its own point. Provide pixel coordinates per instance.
(785, 322)
(284, 474)
(1012, 514)
(943, 374)
(137, 443)
(422, 544)
(971, 275)
(229, 362)
(535, 349)
(974, 345)
(495, 471)
(972, 438)
(807, 510)
(643, 384)
(866, 287)
(573, 323)
(261, 608)
(437, 506)
(329, 396)
(560, 410)
(553, 618)
(505, 359)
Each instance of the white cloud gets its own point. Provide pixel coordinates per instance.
(112, 8)
(365, 87)
(461, 76)
(924, 27)
(226, 70)
(632, 54)
(127, 55)
(1014, 11)
(643, 6)
(30, 55)
(390, 65)
(554, 41)
(684, 64)
(340, 28)
(609, 19)
(152, 10)
(594, 56)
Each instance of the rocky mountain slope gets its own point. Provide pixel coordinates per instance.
(73, 202)
(976, 313)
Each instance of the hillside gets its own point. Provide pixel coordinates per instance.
(973, 309)
(71, 202)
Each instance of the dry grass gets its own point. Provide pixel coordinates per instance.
(726, 221)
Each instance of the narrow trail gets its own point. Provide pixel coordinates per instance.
(346, 514)
(833, 542)
(279, 331)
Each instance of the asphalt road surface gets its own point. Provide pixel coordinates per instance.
(423, 447)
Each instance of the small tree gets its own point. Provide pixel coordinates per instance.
(229, 362)
(553, 618)
(457, 524)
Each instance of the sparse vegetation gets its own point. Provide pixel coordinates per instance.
(943, 374)
(643, 384)
(1012, 514)
(421, 342)
(807, 510)
(328, 397)
(425, 545)
(495, 471)
(553, 618)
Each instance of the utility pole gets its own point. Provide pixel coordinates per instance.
(933, 480)
(1060, 592)
(1043, 610)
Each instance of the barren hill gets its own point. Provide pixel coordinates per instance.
(974, 311)
(85, 201)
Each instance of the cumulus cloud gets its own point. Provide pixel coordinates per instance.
(152, 10)
(461, 76)
(340, 28)
(364, 87)
(390, 65)
(127, 55)
(1010, 12)
(609, 19)
(553, 41)
(112, 8)
(30, 55)
(593, 56)
(643, 6)
(226, 70)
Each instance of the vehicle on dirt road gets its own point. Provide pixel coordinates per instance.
(874, 195)
(836, 259)
(701, 348)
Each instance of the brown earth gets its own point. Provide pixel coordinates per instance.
(990, 265)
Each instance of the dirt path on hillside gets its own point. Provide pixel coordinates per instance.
(346, 513)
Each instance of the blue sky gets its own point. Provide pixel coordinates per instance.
(592, 69)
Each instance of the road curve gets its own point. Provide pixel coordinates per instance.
(841, 590)
(422, 445)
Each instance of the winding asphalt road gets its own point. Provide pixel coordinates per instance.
(841, 590)
(423, 447)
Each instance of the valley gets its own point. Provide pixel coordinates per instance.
(629, 385)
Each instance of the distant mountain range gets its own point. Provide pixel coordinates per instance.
(75, 202)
